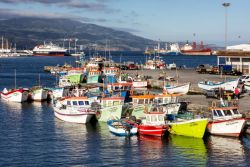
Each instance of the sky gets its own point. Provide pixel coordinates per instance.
(161, 20)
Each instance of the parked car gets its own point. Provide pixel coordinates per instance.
(217, 93)
(132, 67)
(123, 67)
(204, 68)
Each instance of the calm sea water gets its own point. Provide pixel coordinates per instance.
(30, 135)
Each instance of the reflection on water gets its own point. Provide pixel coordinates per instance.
(225, 150)
(189, 150)
(31, 134)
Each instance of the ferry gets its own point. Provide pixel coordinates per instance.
(49, 49)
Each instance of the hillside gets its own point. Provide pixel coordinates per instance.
(28, 32)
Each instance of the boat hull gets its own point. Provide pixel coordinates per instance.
(121, 131)
(191, 128)
(181, 89)
(157, 130)
(232, 127)
(229, 85)
(108, 113)
(15, 96)
(39, 95)
(140, 84)
(81, 118)
(49, 54)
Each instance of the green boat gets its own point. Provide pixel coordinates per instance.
(111, 108)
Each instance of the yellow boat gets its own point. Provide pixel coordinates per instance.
(192, 128)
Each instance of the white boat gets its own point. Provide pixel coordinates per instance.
(48, 50)
(55, 93)
(122, 128)
(227, 85)
(15, 95)
(247, 85)
(38, 94)
(226, 121)
(177, 89)
(74, 109)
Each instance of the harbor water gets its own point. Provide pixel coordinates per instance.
(32, 136)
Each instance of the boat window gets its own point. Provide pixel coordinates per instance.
(227, 112)
(109, 103)
(153, 118)
(141, 101)
(104, 103)
(81, 103)
(160, 100)
(75, 103)
(68, 103)
(135, 101)
(116, 87)
(215, 113)
(86, 102)
(161, 118)
(219, 113)
(151, 100)
(173, 99)
(148, 118)
(146, 101)
(235, 111)
(116, 103)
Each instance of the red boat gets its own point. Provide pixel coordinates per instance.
(154, 124)
(193, 50)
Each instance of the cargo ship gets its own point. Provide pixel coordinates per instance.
(49, 50)
(187, 49)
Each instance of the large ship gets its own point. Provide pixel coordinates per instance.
(49, 50)
(187, 49)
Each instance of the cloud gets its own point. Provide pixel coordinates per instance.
(6, 13)
(99, 5)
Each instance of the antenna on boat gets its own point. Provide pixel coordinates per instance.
(15, 78)
(39, 79)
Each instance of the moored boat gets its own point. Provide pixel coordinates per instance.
(49, 50)
(15, 95)
(226, 120)
(154, 124)
(38, 93)
(191, 128)
(74, 109)
(122, 127)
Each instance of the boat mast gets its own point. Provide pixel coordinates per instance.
(2, 43)
(15, 77)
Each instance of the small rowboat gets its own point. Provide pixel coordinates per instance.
(122, 128)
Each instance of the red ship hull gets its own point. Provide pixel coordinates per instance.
(197, 52)
(152, 130)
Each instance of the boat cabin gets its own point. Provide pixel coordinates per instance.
(166, 98)
(76, 102)
(155, 118)
(111, 71)
(112, 101)
(225, 113)
(119, 86)
(142, 99)
(94, 72)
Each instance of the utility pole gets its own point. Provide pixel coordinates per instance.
(226, 5)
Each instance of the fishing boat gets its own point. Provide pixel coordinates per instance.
(191, 128)
(122, 127)
(38, 93)
(226, 85)
(154, 124)
(177, 89)
(15, 95)
(226, 120)
(110, 108)
(74, 109)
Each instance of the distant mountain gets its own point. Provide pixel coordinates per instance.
(28, 32)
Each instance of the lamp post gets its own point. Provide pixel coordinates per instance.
(226, 5)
